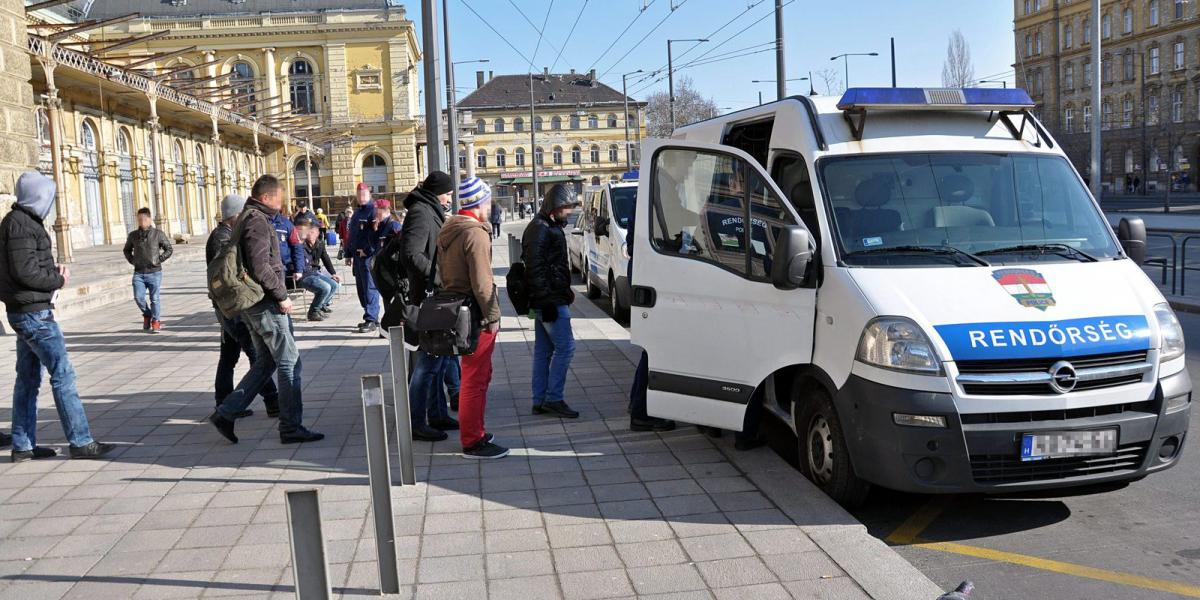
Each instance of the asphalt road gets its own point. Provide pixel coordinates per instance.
(1124, 542)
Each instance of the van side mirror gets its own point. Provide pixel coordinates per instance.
(1132, 235)
(790, 260)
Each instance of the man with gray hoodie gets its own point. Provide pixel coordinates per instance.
(29, 281)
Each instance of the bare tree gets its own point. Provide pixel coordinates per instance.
(957, 71)
(690, 106)
(830, 79)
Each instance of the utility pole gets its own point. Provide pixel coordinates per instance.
(433, 113)
(451, 117)
(893, 62)
(780, 72)
(671, 77)
(625, 96)
(533, 196)
(1097, 82)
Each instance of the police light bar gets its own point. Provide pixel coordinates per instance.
(1007, 99)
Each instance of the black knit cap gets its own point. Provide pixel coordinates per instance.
(438, 183)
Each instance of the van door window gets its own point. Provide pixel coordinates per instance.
(768, 216)
(791, 173)
(752, 138)
(699, 211)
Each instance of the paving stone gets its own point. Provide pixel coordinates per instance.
(714, 547)
(505, 565)
(568, 536)
(666, 578)
(450, 568)
(524, 588)
(766, 591)
(516, 540)
(452, 544)
(733, 572)
(496, 520)
(586, 558)
(780, 541)
(595, 584)
(649, 554)
(459, 590)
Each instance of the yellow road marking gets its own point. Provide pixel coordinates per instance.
(908, 534)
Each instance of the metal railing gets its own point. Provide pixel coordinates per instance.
(1175, 264)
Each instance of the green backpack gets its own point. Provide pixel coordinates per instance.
(229, 285)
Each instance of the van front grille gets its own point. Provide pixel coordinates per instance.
(1033, 377)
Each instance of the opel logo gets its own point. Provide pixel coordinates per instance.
(1063, 377)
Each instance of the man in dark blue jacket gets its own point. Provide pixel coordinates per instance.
(359, 237)
(291, 249)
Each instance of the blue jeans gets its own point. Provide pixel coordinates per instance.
(368, 296)
(148, 284)
(40, 344)
(425, 388)
(276, 350)
(235, 341)
(553, 348)
(323, 288)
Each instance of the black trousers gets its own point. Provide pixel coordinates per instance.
(235, 340)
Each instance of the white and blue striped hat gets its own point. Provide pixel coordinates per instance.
(473, 192)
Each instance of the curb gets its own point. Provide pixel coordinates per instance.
(1184, 305)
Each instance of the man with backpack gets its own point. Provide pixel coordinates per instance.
(147, 248)
(426, 205)
(235, 336)
(255, 249)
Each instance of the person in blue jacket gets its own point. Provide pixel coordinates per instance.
(360, 236)
(291, 249)
(387, 226)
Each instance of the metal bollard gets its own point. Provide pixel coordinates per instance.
(309, 568)
(514, 249)
(399, 358)
(379, 470)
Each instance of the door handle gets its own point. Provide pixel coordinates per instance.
(643, 297)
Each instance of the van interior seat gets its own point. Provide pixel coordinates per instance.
(870, 219)
(955, 191)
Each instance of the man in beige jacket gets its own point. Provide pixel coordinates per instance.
(464, 262)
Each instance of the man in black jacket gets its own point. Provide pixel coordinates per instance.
(427, 205)
(548, 279)
(29, 282)
(147, 248)
(268, 321)
(322, 286)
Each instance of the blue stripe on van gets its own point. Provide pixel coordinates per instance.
(1046, 339)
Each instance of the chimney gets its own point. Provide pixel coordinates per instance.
(490, 75)
(478, 79)
(572, 71)
(546, 71)
(592, 74)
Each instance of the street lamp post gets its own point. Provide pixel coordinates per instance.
(781, 88)
(671, 76)
(1003, 82)
(452, 109)
(533, 175)
(625, 97)
(846, 62)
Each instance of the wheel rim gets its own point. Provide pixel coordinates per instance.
(820, 450)
(612, 296)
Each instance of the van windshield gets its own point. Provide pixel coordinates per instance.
(622, 204)
(964, 209)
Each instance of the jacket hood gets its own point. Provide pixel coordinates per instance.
(260, 207)
(35, 192)
(422, 197)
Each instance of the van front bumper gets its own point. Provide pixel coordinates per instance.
(978, 453)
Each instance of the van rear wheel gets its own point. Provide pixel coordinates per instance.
(593, 290)
(823, 456)
(620, 314)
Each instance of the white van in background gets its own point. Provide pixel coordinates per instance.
(917, 282)
(604, 259)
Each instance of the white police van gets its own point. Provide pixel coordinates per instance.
(604, 258)
(926, 292)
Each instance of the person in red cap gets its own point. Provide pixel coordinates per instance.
(359, 246)
(387, 226)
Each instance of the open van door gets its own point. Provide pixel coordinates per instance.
(717, 305)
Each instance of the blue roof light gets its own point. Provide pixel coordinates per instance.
(935, 99)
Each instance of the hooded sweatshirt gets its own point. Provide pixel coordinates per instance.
(28, 275)
(464, 259)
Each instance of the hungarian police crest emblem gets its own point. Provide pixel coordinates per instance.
(1026, 286)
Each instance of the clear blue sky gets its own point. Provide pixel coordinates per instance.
(814, 31)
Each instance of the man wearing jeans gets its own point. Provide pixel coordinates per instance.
(548, 279)
(267, 321)
(322, 286)
(29, 281)
(146, 248)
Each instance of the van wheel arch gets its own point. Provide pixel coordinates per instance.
(803, 378)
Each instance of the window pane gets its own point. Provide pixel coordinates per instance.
(768, 217)
(698, 201)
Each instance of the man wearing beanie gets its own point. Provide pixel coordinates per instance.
(235, 336)
(426, 205)
(359, 235)
(464, 258)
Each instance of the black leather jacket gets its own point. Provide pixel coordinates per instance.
(28, 275)
(547, 272)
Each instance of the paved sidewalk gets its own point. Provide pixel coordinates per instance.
(581, 509)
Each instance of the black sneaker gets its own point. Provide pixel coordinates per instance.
(242, 414)
(485, 450)
(315, 315)
(300, 436)
(327, 310)
(556, 409)
(650, 424)
(488, 437)
(5, 440)
(37, 453)
(368, 327)
(91, 451)
(425, 433)
(224, 426)
(444, 424)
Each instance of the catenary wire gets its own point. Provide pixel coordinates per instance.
(502, 38)
(569, 34)
(623, 32)
(648, 34)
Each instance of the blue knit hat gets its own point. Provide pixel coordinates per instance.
(473, 192)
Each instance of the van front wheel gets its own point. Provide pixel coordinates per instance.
(823, 456)
(593, 290)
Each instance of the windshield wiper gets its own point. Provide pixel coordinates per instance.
(948, 250)
(1048, 248)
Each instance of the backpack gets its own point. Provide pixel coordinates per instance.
(448, 324)
(229, 285)
(388, 273)
(518, 291)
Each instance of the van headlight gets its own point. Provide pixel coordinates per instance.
(897, 343)
(1169, 331)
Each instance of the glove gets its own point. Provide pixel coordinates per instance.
(549, 313)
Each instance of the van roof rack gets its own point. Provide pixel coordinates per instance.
(1007, 102)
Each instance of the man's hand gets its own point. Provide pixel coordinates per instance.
(65, 271)
(362, 254)
(297, 276)
(349, 261)
(285, 306)
(493, 327)
(337, 278)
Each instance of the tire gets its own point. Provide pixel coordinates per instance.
(593, 290)
(621, 315)
(823, 455)
(574, 264)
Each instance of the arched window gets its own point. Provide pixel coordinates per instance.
(612, 121)
(557, 155)
(520, 156)
(594, 154)
(181, 200)
(501, 158)
(301, 174)
(518, 124)
(498, 125)
(300, 86)
(595, 180)
(537, 124)
(576, 155)
(555, 123)
(243, 82)
(612, 153)
(539, 156)
(480, 126)
(593, 122)
(125, 176)
(90, 166)
(481, 159)
(375, 173)
(574, 121)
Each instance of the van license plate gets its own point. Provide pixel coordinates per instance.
(1058, 444)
